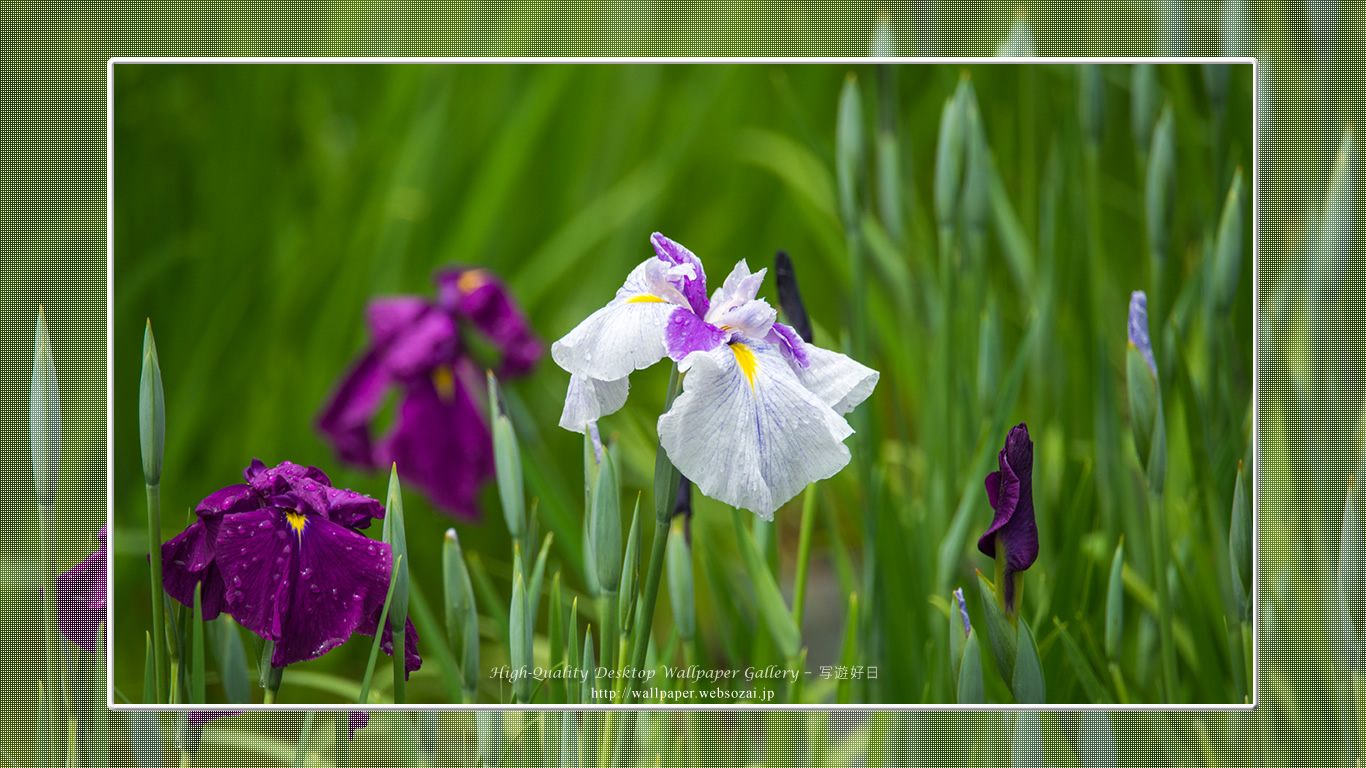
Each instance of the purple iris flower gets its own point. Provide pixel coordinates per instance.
(1010, 491)
(440, 439)
(82, 594)
(283, 556)
(1138, 328)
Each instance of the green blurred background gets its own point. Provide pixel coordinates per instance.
(258, 207)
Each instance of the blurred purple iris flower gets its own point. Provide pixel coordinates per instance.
(283, 556)
(197, 721)
(440, 439)
(82, 594)
(1010, 490)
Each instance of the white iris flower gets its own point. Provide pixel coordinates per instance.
(761, 412)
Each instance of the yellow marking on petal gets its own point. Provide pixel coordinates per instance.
(645, 299)
(297, 522)
(444, 382)
(744, 356)
(472, 280)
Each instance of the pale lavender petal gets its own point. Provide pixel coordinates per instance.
(588, 400)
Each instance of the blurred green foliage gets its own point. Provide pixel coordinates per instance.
(258, 207)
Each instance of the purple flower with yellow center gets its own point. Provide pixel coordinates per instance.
(760, 413)
(1012, 539)
(441, 438)
(282, 554)
(82, 595)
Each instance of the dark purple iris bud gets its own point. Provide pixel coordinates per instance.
(790, 297)
(683, 506)
(358, 720)
(1013, 535)
(441, 437)
(283, 555)
(82, 595)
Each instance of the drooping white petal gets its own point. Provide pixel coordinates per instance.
(588, 400)
(628, 333)
(746, 430)
(841, 382)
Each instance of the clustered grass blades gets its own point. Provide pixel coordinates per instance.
(944, 300)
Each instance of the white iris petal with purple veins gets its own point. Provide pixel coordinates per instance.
(760, 412)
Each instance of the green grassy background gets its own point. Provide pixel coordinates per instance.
(258, 207)
(54, 88)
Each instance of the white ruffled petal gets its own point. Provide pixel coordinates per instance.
(588, 400)
(746, 430)
(628, 333)
(841, 382)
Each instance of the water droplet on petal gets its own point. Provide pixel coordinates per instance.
(307, 574)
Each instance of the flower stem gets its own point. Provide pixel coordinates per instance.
(271, 675)
(645, 617)
(667, 479)
(51, 644)
(1157, 513)
(185, 759)
(803, 555)
(158, 602)
(607, 621)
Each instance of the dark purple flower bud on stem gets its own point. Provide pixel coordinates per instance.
(1013, 538)
(683, 507)
(790, 297)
